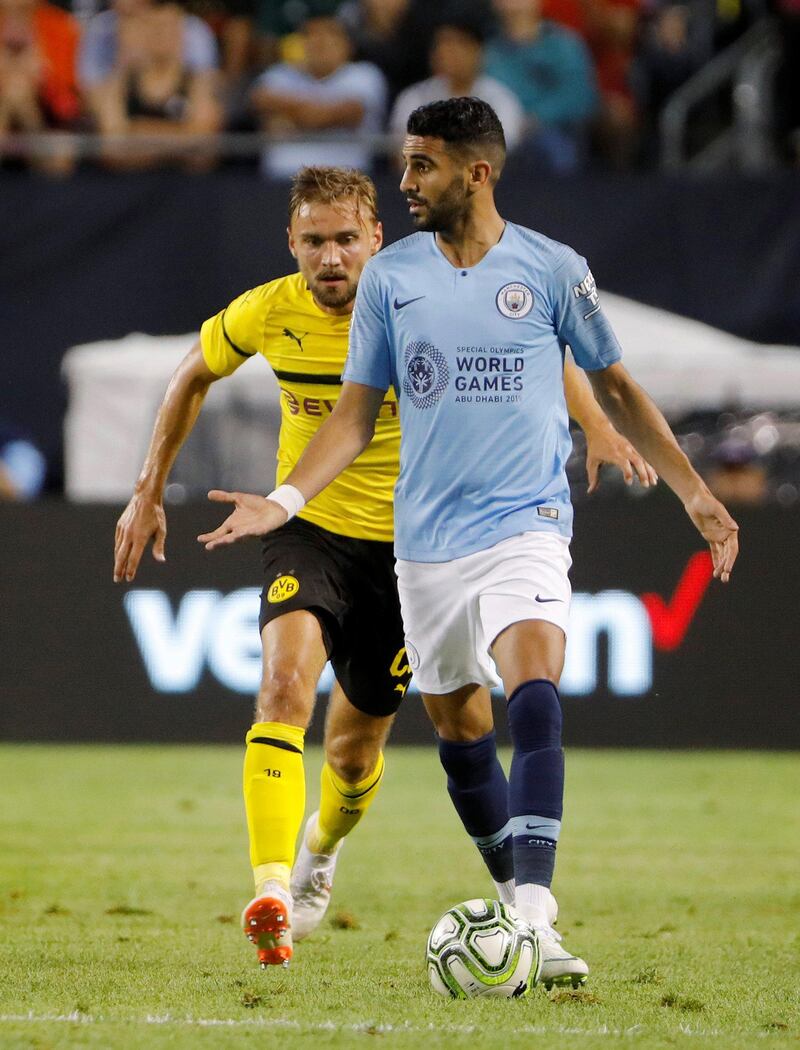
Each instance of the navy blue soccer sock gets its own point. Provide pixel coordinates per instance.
(479, 790)
(536, 783)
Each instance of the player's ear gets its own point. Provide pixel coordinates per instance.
(377, 238)
(480, 174)
(290, 238)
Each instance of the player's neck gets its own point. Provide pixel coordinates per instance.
(466, 243)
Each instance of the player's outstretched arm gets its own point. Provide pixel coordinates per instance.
(636, 415)
(342, 438)
(604, 444)
(143, 519)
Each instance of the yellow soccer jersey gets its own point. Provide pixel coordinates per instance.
(306, 348)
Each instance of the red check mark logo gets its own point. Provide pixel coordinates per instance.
(670, 621)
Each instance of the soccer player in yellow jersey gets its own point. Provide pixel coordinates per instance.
(329, 584)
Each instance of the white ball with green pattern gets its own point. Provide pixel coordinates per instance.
(482, 947)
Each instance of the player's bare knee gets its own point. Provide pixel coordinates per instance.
(285, 696)
(459, 731)
(350, 759)
(352, 769)
(461, 724)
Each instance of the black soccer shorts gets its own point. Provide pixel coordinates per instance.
(351, 588)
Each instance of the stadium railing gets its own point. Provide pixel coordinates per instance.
(237, 144)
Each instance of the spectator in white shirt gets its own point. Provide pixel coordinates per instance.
(456, 61)
(99, 53)
(329, 98)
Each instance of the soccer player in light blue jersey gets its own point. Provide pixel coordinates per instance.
(469, 319)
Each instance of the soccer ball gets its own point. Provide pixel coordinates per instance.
(482, 947)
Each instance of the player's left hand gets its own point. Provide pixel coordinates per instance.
(607, 445)
(253, 516)
(718, 528)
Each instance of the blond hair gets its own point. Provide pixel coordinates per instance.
(321, 185)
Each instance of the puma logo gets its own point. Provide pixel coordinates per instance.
(295, 338)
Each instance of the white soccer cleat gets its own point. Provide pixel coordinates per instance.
(311, 884)
(559, 967)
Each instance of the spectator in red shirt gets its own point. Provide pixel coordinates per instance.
(610, 28)
(38, 89)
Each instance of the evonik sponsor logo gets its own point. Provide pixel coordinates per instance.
(218, 633)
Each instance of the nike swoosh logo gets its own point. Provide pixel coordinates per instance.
(544, 601)
(533, 827)
(399, 306)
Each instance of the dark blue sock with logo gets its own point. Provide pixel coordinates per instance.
(536, 783)
(479, 790)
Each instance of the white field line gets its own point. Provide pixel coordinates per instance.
(285, 1024)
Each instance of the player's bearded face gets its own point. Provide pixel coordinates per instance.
(332, 287)
(434, 184)
(444, 211)
(332, 244)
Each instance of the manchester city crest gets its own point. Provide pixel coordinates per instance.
(426, 375)
(514, 300)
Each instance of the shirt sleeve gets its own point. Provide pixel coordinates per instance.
(405, 104)
(200, 51)
(369, 358)
(58, 39)
(509, 111)
(96, 51)
(280, 78)
(226, 338)
(572, 97)
(373, 92)
(579, 321)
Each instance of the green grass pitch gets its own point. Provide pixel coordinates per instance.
(123, 871)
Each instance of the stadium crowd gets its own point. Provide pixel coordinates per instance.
(575, 82)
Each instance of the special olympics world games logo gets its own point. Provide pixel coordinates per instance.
(427, 374)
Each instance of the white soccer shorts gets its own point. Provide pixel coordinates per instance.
(454, 610)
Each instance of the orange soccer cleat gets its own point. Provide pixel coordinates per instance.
(267, 922)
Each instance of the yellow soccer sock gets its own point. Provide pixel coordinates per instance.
(342, 805)
(274, 798)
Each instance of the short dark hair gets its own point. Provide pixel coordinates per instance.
(465, 123)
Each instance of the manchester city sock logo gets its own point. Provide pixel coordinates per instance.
(426, 376)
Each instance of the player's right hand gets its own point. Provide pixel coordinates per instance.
(142, 520)
(253, 516)
(718, 528)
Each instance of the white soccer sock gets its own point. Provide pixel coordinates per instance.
(505, 891)
(533, 901)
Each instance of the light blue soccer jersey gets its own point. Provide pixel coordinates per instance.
(476, 356)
